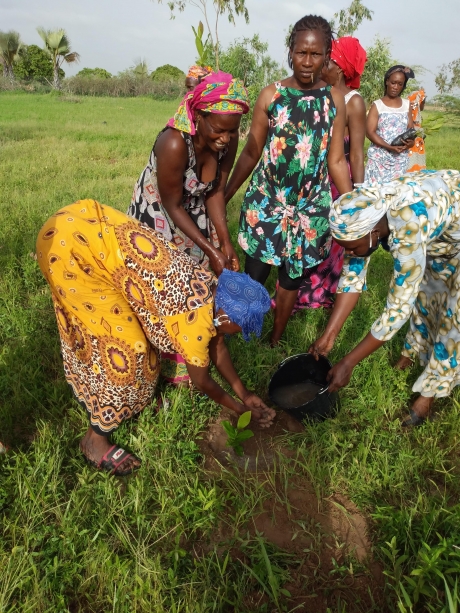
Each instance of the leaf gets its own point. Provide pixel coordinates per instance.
(238, 449)
(285, 592)
(229, 429)
(244, 420)
(244, 436)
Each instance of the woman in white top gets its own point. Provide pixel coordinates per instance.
(388, 118)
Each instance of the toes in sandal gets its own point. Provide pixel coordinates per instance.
(113, 460)
(413, 420)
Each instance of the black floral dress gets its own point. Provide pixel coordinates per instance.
(146, 203)
(284, 217)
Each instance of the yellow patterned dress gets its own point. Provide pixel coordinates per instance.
(121, 294)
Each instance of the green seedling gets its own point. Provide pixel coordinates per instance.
(238, 435)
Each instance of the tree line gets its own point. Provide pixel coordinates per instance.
(245, 58)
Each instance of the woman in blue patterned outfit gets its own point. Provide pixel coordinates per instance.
(418, 218)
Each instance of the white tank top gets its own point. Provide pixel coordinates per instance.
(383, 108)
(349, 96)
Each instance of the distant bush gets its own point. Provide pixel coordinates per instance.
(126, 85)
(32, 87)
(100, 73)
(34, 64)
(167, 72)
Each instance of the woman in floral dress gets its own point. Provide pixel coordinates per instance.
(418, 219)
(389, 117)
(284, 218)
(180, 193)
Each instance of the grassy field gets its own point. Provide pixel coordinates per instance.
(188, 534)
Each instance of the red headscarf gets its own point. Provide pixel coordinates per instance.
(351, 57)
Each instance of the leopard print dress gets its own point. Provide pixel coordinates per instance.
(121, 294)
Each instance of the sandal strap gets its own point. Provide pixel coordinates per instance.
(114, 458)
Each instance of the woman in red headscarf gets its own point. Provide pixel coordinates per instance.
(343, 71)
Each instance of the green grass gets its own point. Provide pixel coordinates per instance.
(177, 538)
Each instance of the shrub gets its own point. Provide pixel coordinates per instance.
(100, 73)
(167, 72)
(126, 85)
(35, 64)
(33, 87)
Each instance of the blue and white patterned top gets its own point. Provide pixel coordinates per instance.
(424, 222)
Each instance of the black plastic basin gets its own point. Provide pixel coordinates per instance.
(299, 387)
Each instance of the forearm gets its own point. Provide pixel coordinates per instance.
(245, 165)
(368, 345)
(344, 305)
(377, 140)
(340, 175)
(183, 221)
(217, 212)
(205, 383)
(220, 356)
(357, 166)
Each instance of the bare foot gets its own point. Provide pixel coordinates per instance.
(422, 406)
(404, 363)
(94, 446)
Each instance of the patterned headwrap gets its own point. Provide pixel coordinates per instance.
(407, 72)
(354, 215)
(351, 57)
(195, 72)
(219, 93)
(244, 300)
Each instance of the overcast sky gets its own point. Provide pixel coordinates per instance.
(112, 34)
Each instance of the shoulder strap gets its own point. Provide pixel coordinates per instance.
(350, 95)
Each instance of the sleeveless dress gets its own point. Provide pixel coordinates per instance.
(320, 283)
(383, 165)
(284, 216)
(146, 206)
(146, 203)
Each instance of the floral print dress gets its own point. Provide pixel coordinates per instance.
(146, 203)
(424, 241)
(284, 217)
(383, 165)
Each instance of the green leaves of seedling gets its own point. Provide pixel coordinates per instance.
(238, 435)
(244, 420)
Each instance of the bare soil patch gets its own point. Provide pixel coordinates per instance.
(328, 538)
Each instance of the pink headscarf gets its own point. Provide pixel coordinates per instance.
(351, 57)
(219, 93)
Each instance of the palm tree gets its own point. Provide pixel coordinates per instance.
(57, 46)
(140, 69)
(10, 45)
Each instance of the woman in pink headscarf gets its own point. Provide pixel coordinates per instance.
(180, 192)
